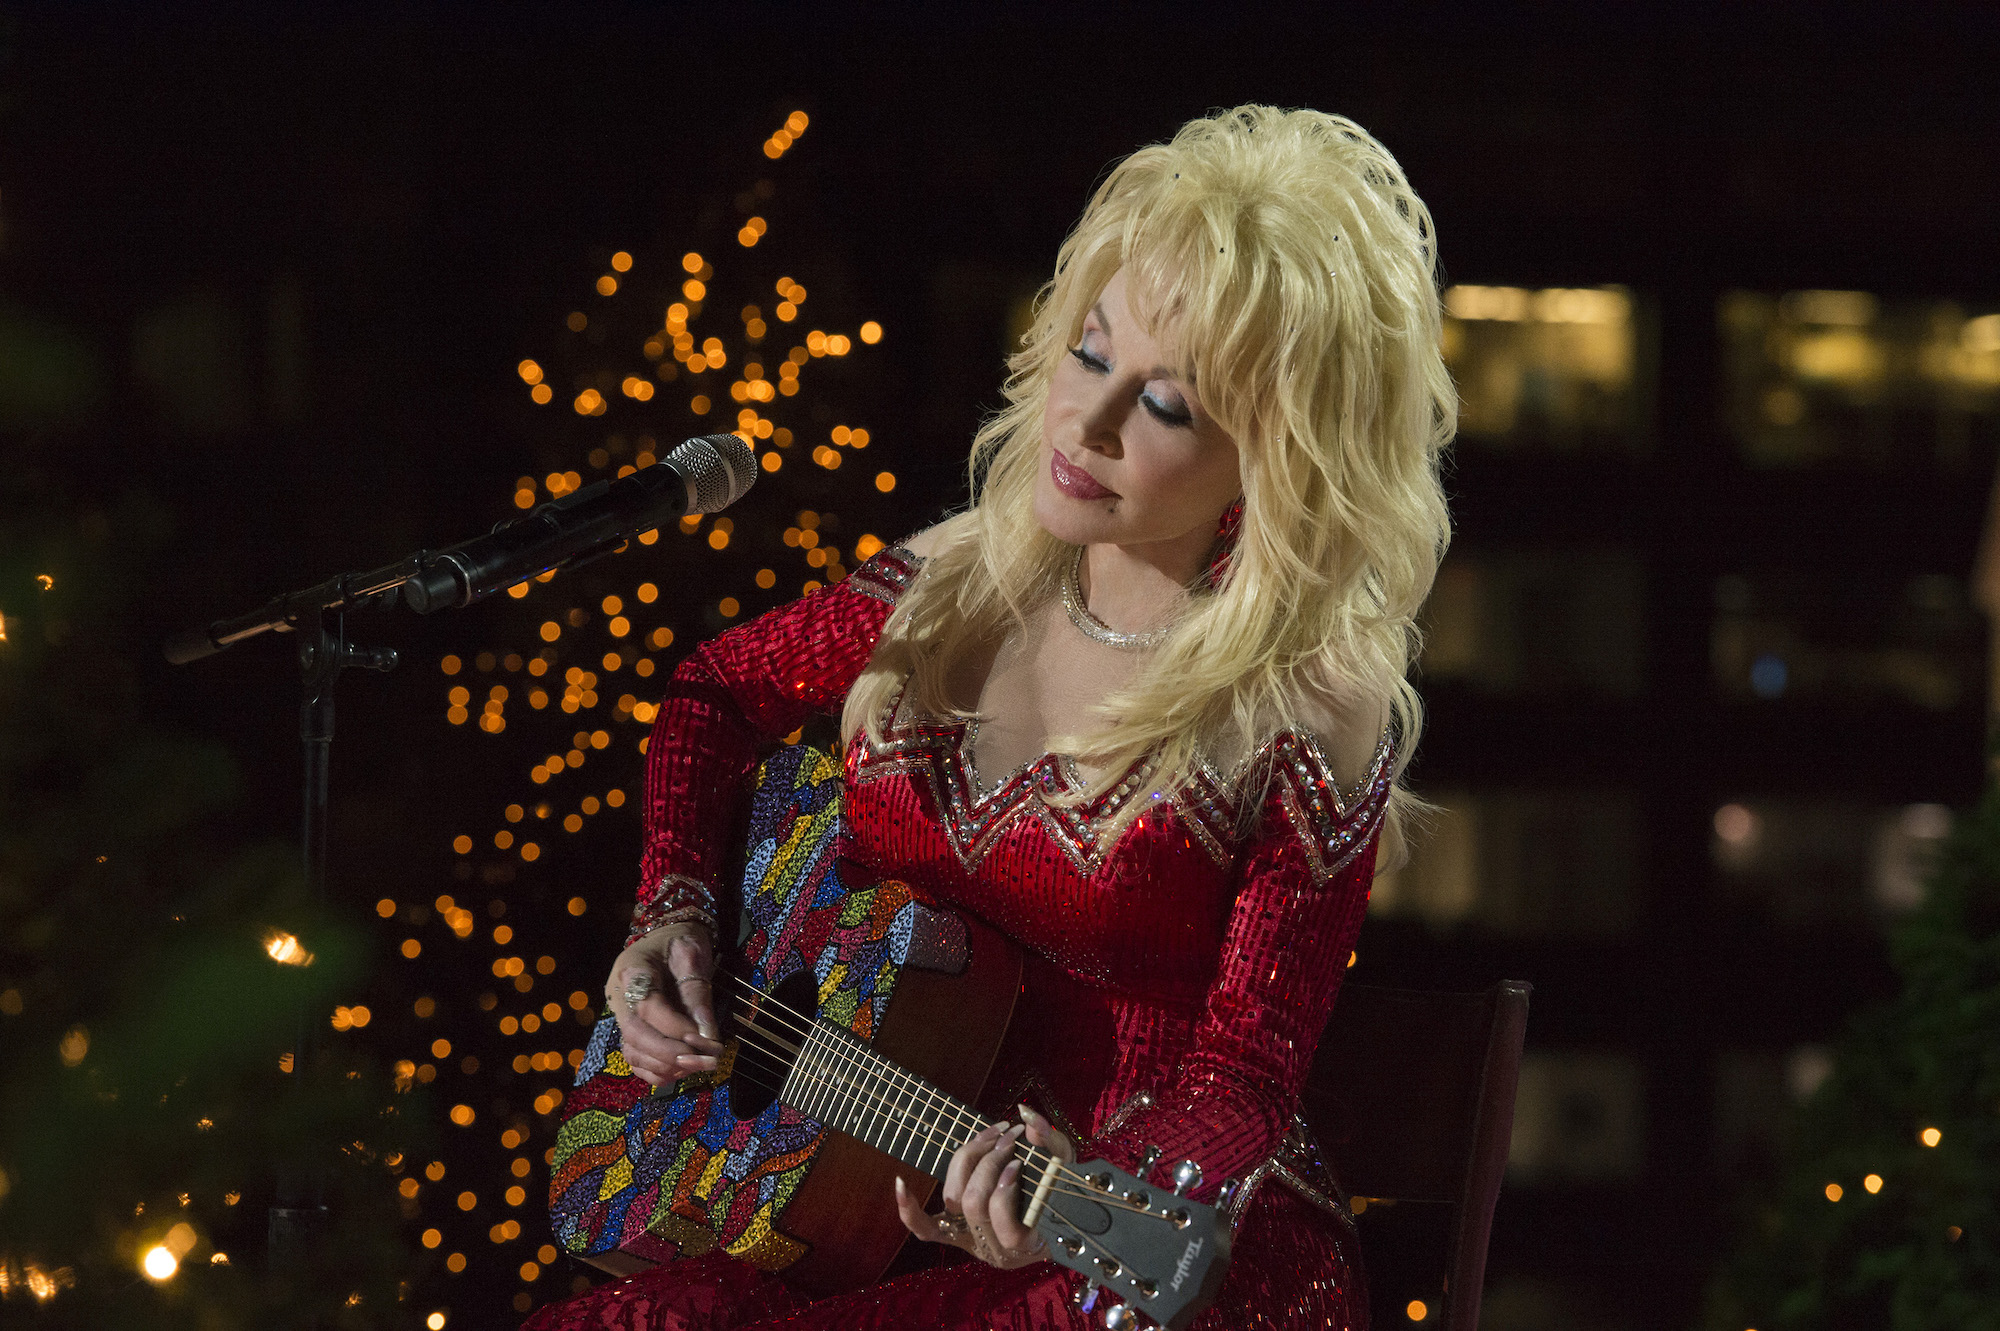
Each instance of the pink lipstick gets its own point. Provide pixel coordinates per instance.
(1075, 481)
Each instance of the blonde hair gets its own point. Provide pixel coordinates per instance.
(1300, 273)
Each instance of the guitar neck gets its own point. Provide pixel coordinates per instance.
(1162, 1254)
(847, 1086)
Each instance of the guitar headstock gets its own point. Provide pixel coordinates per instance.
(1152, 1251)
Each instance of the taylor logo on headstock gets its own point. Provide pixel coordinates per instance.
(1185, 1265)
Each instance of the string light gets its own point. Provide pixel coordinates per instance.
(286, 950)
(579, 650)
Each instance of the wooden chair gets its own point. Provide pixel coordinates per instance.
(1412, 1099)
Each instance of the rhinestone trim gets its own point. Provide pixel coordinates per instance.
(886, 574)
(677, 899)
(1332, 825)
(932, 750)
(1297, 1154)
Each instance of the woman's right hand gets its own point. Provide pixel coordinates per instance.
(671, 1032)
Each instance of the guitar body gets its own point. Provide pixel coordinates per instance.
(641, 1176)
(945, 1029)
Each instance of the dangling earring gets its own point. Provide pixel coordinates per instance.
(1226, 533)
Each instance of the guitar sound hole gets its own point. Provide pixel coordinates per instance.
(764, 1048)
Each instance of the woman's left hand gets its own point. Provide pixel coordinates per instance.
(982, 1206)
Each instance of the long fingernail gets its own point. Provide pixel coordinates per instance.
(1028, 1115)
(1011, 1172)
(899, 1185)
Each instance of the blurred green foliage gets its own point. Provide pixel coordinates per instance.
(1923, 1252)
(142, 1018)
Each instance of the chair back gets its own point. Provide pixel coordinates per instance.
(1412, 1099)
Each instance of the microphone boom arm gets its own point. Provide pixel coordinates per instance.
(703, 475)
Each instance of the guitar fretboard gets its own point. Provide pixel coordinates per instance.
(842, 1083)
(1156, 1253)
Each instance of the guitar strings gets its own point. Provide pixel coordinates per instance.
(883, 1103)
(1053, 1162)
(804, 1026)
(959, 1115)
(741, 1071)
(1093, 1195)
(920, 1093)
(897, 1080)
(804, 1023)
(1053, 1209)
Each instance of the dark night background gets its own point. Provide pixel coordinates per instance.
(368, 215)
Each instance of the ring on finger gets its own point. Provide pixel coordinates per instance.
(638, 989)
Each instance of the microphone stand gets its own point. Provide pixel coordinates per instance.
(702, 475)
(299, 1218)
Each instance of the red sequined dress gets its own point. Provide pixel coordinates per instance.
(1176, 982)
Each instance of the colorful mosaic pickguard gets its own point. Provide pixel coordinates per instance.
(660, 1174)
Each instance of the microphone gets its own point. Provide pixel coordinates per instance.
(704, 475)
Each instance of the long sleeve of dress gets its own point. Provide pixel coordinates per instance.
(1303, 891)
(732, 697)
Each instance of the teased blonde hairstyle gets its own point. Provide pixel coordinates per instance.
(1298, 271)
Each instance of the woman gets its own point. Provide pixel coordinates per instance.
(1142, 707)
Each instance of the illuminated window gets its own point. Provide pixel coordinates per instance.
(1553, 369)
(1817, 864)
(1846, 637)
(1537, 623)
(1846, 377)
(1522, 863)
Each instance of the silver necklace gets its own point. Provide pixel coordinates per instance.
(1090, 626)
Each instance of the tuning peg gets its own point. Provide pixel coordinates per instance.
(1227, 1193)
(1147, 1159)
(1187, 1177)
(1120, 1317)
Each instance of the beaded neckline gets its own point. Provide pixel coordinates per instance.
(935, 751)
(1333, 823)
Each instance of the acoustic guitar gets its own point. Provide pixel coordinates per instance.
(860, 1026)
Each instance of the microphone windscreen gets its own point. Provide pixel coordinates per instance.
(721, 467)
